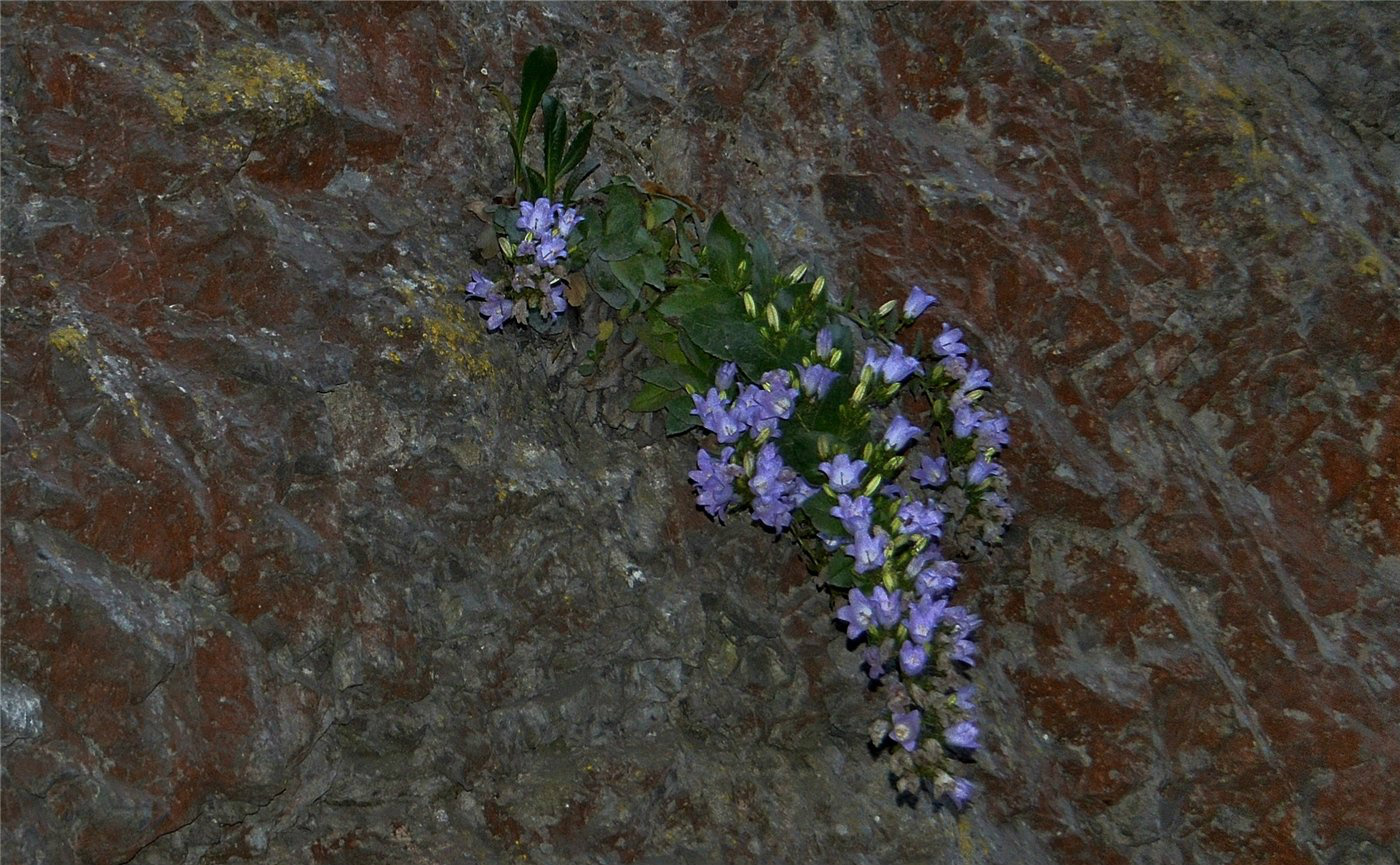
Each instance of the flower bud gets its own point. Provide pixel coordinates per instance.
(762, 438)
(818, 287)
(835, 358)
(797, 273)
(859, 393)
(872, 485)
(886, 308)
(749, 306)
(507, 248)
(771, 312)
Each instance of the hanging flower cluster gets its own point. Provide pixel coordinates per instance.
(878, 456)
(537, 276)
(885, 511)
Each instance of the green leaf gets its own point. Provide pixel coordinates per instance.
(692, 296)
(534, 183)
(639, 270)
(539, 70)
(578, 148)
(724, 249)
(765, 268)
(840, 571)
(678, 416)
(728, 334)
(616, 247)
(613, 292)
(664, 342)
(660, 210)
(801, 449)
(623, 234)
(577, 176)
(818, 510)
(652, 397)
(556, 132)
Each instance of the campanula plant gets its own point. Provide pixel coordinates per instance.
(819, 419)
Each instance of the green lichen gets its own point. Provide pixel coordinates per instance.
(443, 325)
(281, 90)
(68, 339)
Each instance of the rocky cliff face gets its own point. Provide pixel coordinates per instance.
(299, 565)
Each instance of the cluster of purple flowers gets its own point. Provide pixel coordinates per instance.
(751, 418)
(536, 279)
(905, 520)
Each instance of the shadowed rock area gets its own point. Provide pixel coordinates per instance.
(302, 566)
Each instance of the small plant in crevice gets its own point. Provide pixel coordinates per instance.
(818, 419)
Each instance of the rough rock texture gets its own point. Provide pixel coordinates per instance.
(299, 566)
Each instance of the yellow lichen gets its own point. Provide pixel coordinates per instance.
(246, 78)
(1370, 265)
(68, 339)
(445, 325)
(1308, 216)
(1048, 61)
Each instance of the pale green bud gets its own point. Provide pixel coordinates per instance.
(859, 393)
(749, 306)
(771, 312)
(797, 273)
(872, 485)
(887, 307)
(507, 248)
(761, 439)
(818, 287)
(834, 359)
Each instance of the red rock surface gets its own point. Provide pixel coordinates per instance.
(248, 427)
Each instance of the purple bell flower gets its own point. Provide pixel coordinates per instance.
(949, 342)
(962, 793)
(962, 735)
(921, 518)
(854, 514)
(817, 379)
(931, 472)
(912, 658)
(536, 217)
(714, 479)
(480, 287)
(898, 366)
(965, 420)
(868, 549)
(858, 614)
(889, 606)
(712, 411)
(904, 728)
(924, 617)
(900, 433)
(566, 221)
(874, 663)
(964, 652)
(724, 378)
(497, 309)
(918, 301)
(843, 472)
(981, 469)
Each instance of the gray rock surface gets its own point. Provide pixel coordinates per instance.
(301, 565)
